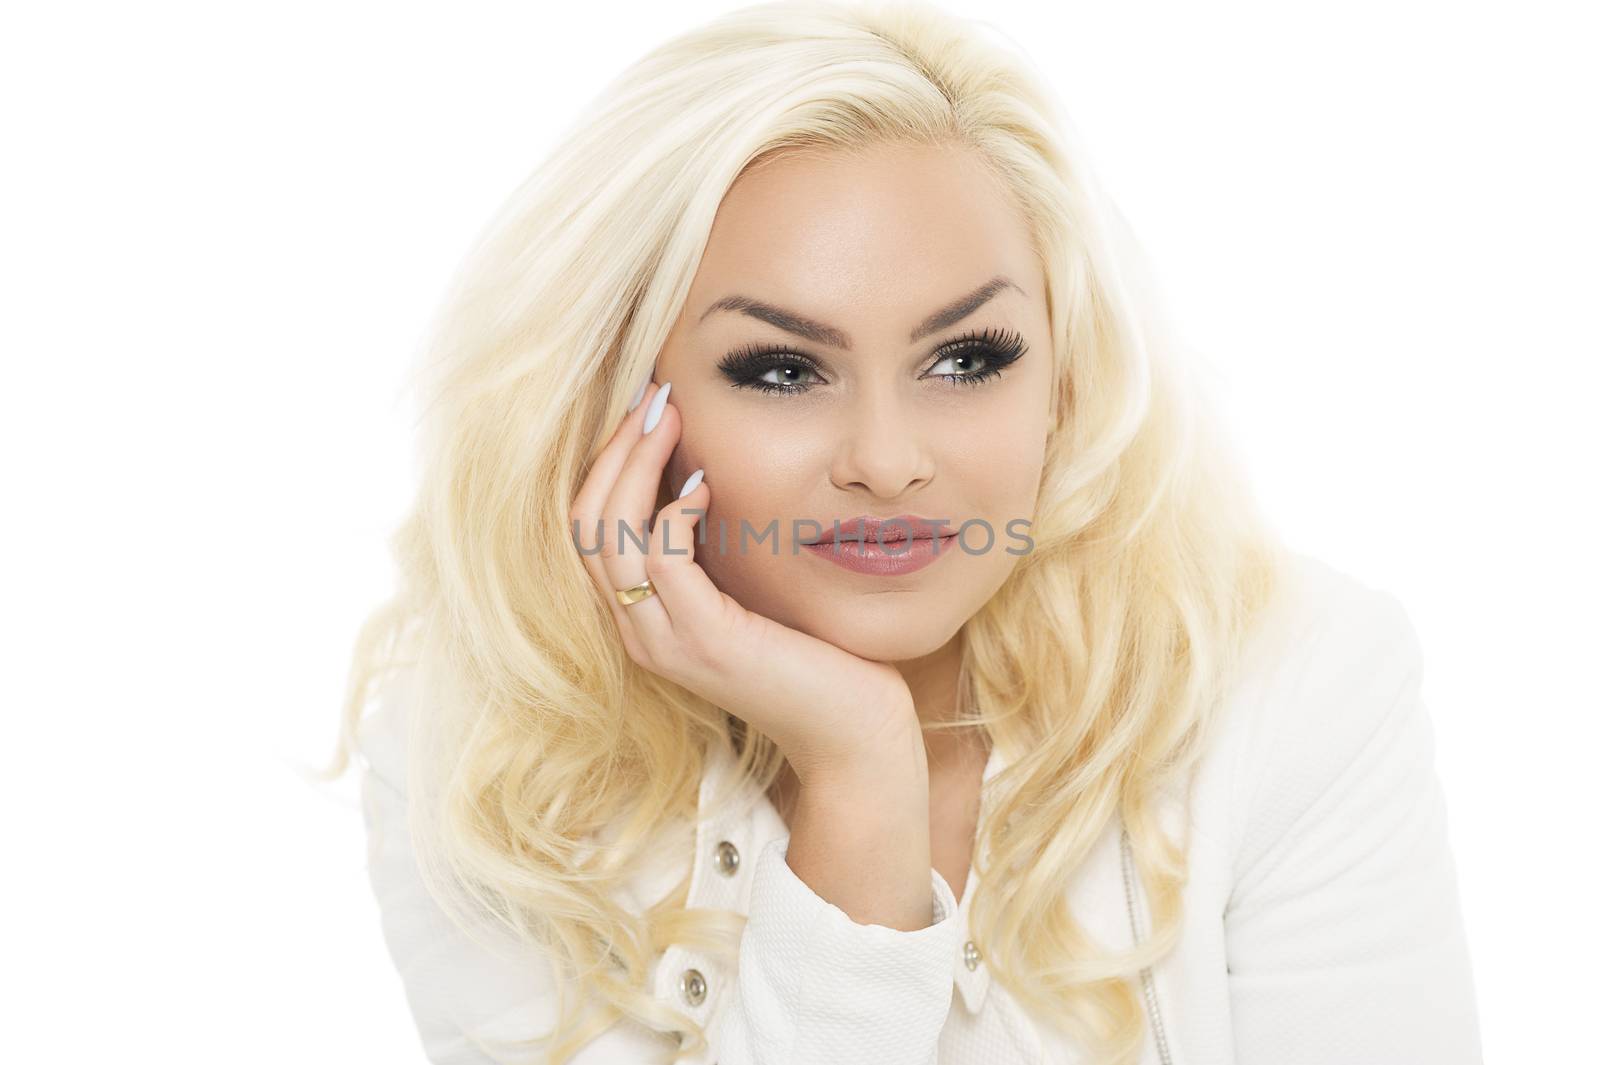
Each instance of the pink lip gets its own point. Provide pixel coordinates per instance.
(896, 558)
(885, 530)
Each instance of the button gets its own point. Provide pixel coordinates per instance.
(970, 955)
(727, 858)
(693, 986)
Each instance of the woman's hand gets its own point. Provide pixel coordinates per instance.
(836, 717)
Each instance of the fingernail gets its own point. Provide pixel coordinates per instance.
(652, 413)
(692, 483)
(637, 396)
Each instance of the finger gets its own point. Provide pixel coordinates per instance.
(628, 509)
(602, 475)
(693, 602)
(586, 523)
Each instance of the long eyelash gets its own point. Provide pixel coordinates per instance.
(997, 349)
(744, 366)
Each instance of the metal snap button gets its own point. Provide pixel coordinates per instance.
(727, 858)
(693, 986)
(970, 955)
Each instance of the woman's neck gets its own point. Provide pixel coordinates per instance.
(934, 681)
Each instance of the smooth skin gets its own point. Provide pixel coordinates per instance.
(840, 669)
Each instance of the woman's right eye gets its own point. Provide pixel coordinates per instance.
(767, 371)
(788, 377)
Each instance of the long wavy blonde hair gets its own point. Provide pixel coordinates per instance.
(1096, 668)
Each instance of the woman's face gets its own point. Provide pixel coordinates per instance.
(846, 282)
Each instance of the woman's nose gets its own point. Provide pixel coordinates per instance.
(881, 446)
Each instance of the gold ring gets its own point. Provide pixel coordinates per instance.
(629, 596)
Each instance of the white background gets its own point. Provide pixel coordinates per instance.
(224, 225)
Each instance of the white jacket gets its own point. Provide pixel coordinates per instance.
(1322, 922)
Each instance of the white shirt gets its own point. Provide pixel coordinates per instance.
(1322, 919)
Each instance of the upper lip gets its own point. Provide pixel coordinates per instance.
(869, 529)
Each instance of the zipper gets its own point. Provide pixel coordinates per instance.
(1145, 976)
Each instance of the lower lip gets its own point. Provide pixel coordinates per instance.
(883, 560)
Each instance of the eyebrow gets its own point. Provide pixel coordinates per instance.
(820, 333)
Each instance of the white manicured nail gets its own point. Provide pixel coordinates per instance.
(652, 413)
(637, 396)
(692, 483)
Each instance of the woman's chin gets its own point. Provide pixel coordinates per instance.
(884, 627)
(891, 635)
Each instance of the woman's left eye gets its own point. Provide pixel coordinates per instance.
(991, 351)
(965, 372)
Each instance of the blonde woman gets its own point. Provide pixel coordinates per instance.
(832, 630)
